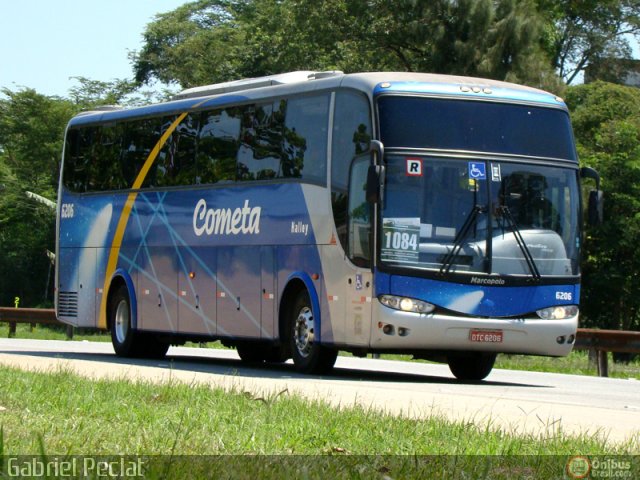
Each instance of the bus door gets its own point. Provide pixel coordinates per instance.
(360, 278)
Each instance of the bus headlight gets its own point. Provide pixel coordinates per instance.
(558, 313)
(406, 304)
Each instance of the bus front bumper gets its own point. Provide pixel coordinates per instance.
(397, 330)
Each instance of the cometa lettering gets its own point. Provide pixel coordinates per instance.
(225, 221)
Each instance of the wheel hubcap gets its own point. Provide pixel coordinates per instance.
(303, 331)
(122, 321)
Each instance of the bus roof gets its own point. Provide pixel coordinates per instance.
(371, 83)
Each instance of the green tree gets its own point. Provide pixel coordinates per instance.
(89, 94)
(31, 138)
(588, 33)
(193, 45)
(31, 132)
(216, 40)
(606, 120)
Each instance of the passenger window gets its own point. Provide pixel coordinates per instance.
(139, 138)
(176, 162)
(259, 155)
(218, 145)
(107, 174)
(78, 155)
(305, 139)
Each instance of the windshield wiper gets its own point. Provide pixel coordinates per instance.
(533, 268)
(447, 261)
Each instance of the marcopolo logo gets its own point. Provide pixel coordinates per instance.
(226, 221)
(487, 281)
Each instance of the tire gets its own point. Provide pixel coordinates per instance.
(308, 355)
(259, 353)
(275, 354)
(473, 366)
(126, 341)
(151, 347)
(250, 352)
(123, 337)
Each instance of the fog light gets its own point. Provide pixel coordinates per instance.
(560, 340)
(387, 329)
(403, 332)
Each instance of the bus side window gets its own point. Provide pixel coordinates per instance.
(107, 170)
(351, 137)
(140, 136)
(177, 159)
(305, 139)
(359, 218)
(77, 158)
(260, 142)
(164, 168)
(218, 143)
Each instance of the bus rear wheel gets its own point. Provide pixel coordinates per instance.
(123, 337)
(309, 356)
(471, 366)
(126, 341)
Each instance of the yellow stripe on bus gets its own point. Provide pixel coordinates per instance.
(114, 252)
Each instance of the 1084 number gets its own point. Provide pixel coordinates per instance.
(401, 241)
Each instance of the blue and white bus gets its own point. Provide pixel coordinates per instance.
(297, 215)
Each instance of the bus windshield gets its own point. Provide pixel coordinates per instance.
(512, 219)
(498, 216)
(479, 126)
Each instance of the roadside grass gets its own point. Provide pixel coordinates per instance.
(577, 363)
(60, 413)
(54, 332)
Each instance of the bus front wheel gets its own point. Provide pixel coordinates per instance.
(472, 366)
(309, 356)
(258, 353)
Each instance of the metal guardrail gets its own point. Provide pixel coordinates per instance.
(604, 341)
(600, 341)
(43, 316)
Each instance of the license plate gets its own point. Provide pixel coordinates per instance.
(486, 336)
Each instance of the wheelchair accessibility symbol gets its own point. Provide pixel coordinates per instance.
(477, 171)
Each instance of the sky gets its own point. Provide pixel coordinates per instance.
(44, 43)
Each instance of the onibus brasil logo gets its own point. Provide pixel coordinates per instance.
(579, 467)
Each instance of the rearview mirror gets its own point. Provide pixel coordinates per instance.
(376, 173)
(377, 152)
(595, 212)
(375, 183)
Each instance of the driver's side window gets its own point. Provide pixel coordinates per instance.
(359, 231)
(351, 134)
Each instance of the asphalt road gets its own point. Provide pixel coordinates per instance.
(517, 402)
